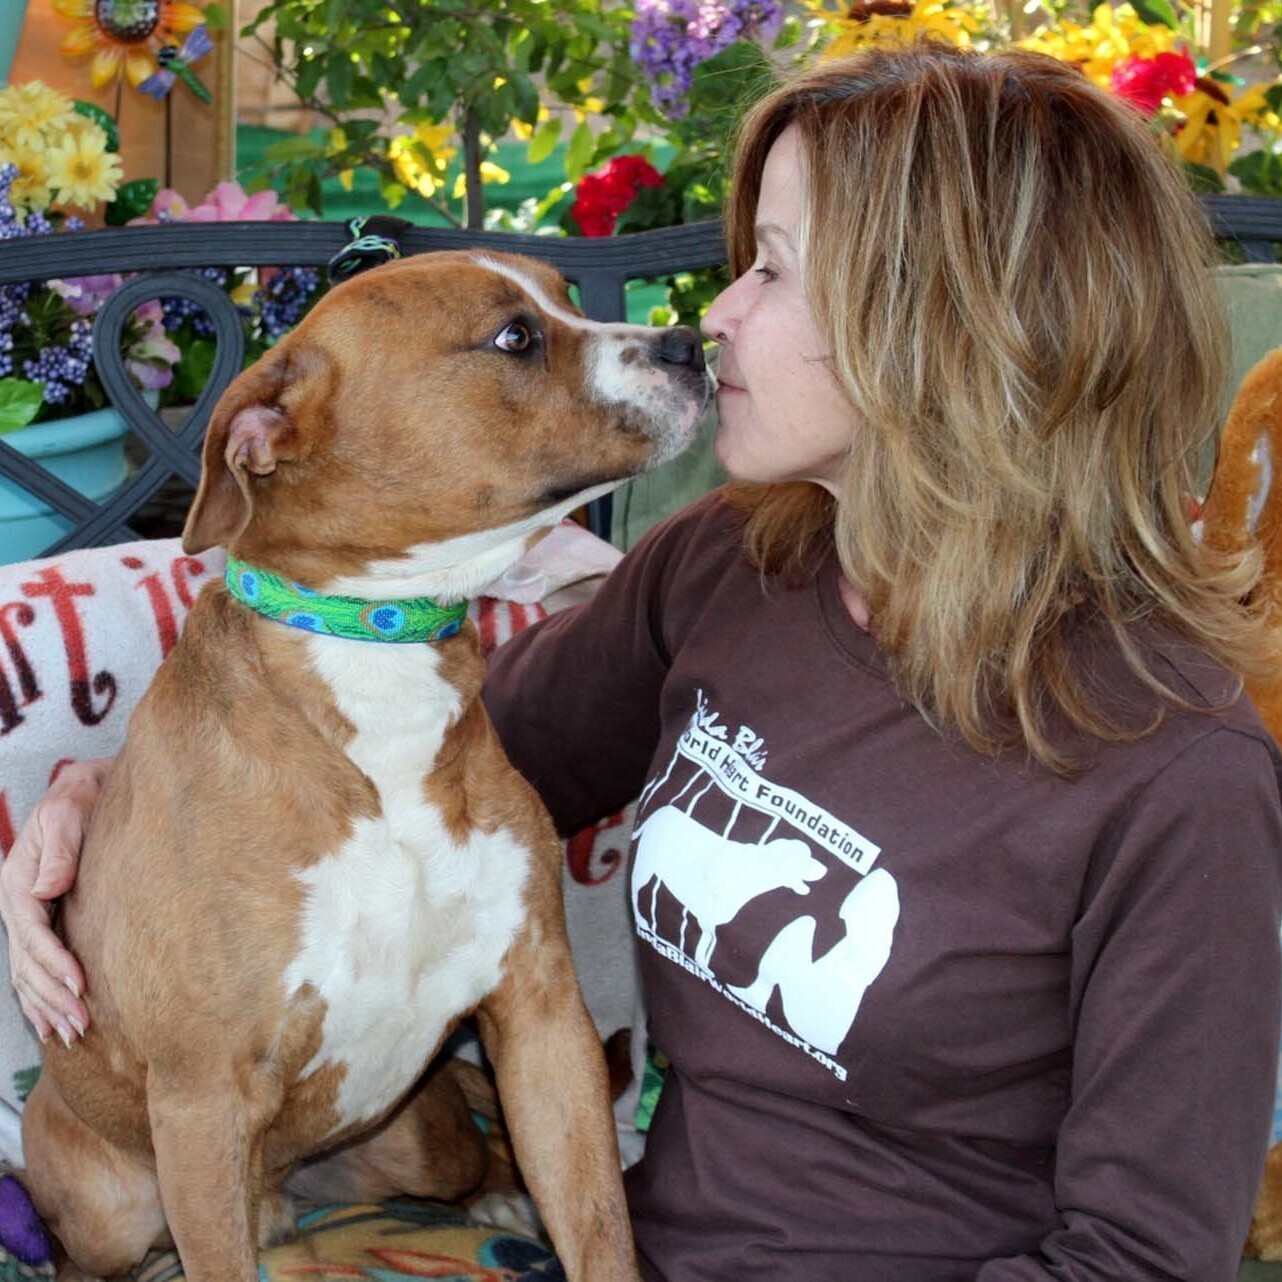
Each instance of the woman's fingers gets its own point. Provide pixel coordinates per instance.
(48, 979)
(41, 866)
(45, 1002)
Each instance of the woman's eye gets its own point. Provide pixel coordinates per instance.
(515, 337)
(766, 273)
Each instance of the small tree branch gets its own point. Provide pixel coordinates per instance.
(472, 169)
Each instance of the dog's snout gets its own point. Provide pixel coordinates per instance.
(681, 346)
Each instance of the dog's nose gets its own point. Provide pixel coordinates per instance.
(681, 346)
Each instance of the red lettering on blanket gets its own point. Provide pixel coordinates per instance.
(162, 611)
(13, 615)
(587, 866)
(522, 616)
(183, 568)
(487, 625)
(63, 595)
(58, 767)
(6, 826)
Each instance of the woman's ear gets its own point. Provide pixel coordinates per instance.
(258, 423)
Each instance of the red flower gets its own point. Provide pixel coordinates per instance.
(1144, 82)
(601, 197)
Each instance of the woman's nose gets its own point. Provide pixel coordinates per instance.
(718, 319)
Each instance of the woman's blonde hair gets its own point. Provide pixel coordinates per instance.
(1013, 280)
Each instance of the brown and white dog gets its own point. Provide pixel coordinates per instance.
(312, 858)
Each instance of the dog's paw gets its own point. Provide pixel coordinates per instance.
(512, 1212)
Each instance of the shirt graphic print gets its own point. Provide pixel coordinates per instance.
(714, 837)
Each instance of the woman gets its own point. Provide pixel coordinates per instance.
(956, 871)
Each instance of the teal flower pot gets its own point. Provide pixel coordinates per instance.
(12, 13)
(86, 451)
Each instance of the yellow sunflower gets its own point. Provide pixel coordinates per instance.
(30, 189)
(124, 36)
(1111, 36)
(83, 171)
(32, 114)
(895, 22)
(1213, 122)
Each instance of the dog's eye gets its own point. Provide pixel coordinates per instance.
(515, 337)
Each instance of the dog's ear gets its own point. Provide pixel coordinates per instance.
(261, 420)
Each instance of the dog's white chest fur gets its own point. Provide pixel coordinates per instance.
(403, 928)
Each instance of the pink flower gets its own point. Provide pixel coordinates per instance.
(227, 203)
(151, 355)
(168, 206)
(1145, 82)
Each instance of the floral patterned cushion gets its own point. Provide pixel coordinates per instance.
(394, 1240)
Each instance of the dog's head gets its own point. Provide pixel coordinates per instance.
(435, 411)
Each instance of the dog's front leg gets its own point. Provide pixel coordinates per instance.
(206, 1153)
(556, 1098)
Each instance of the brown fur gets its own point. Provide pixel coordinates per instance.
(1256, 415)
(385, 421)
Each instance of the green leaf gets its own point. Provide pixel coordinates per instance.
(20, 402)
(133, 199)
(580, 152)
(550, 201)
(309, 76)
(1157, 12)
(299, 147)
(391, 191)
(538, 50)
(1259, 172)
(315, 199)
(543, 144)
(789, 33)
(1203, 179)
(651, 207)
(338, 79)
(91, 111)
(526, 95)
(216, 18)
(191, 374)
(24, 1081)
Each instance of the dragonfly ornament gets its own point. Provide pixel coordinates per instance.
(175, 65)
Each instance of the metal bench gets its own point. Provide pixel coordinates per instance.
(600, 268)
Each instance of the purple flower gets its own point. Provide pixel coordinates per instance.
(21, 1233)
(284, 297)
(86, 294)
(670, 38)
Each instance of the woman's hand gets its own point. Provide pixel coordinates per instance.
(40, 867)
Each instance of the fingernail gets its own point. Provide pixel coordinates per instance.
(41, 888)
(66, 1036)
(71, 984)
(43, 1035)
(77, 1025)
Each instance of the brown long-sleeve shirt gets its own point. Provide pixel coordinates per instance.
(930, 1016)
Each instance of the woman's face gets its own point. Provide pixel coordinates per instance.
(783, 415)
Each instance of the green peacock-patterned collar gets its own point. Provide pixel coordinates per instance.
(407, 622)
